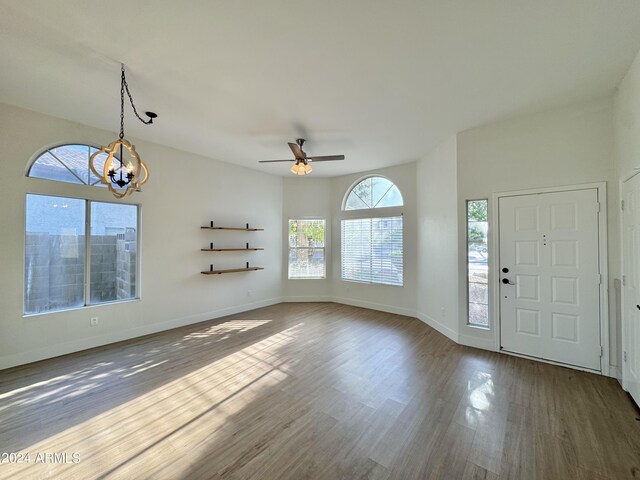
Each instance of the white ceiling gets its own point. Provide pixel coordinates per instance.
(381, 81)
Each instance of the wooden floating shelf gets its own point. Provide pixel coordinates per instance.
(228, 249)
(246, 248)
(231, 270)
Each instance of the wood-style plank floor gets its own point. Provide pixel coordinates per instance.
(311, 391)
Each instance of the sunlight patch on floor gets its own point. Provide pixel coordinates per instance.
(158, 423)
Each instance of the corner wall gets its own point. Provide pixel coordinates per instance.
(307, 197)
(401, 300)
(185, 191)
(322, 197)
(437, 210)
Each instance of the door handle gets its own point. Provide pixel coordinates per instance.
(506, 281)
(638, 307)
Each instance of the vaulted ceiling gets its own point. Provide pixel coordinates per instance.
(382, 82)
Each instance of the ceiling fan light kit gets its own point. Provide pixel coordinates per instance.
(302, 167)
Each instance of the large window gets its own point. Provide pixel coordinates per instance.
(477, 263)
(372, 250)
(62, 269)
(306, 248)
(372, 233)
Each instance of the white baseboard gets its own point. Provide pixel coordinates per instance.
(375, 306)
(294, 299)
(443, 329)
(482, 343)
(353, 302)
(616, 373)
(113, 337)
(87, 343)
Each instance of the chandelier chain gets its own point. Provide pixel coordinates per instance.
(125, 87)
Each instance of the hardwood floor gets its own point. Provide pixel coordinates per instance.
(314, 390)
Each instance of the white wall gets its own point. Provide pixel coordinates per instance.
(184, 192)
(627, 123)
(307, 197)
(567, 146)
(437, 257)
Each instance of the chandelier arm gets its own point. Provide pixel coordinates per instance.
(125, 86)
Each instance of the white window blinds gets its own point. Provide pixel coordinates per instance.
(306, 248)
(372, 250)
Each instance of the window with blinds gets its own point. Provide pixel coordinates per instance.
(306, 248)
(372, 250)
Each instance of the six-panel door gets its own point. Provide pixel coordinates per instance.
(631, 271)
(549, 278)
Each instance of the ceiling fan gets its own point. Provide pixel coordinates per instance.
(302, 166)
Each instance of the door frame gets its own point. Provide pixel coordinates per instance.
(494, 286)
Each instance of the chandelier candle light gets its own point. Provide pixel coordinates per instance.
(122, 177)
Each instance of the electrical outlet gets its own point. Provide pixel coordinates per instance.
(249, 293)
(94, 321)
(443, 312)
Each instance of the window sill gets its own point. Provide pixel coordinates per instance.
(83, 307)
(479, 327)
(307, 278)
(372, 283)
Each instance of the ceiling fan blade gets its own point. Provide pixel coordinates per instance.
(297, 151)
(271, 161)
(326, 158)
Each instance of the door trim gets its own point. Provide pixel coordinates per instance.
(494, 290)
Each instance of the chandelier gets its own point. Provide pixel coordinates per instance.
(122, 176)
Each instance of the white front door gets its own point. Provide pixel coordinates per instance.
(631, 282)
(549, 277)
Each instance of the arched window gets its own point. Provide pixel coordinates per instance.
(372, 239)
(78, 251)
(373, 192)
(67, 163)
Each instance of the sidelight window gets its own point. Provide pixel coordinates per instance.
(477, 263)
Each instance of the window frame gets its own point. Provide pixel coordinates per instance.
(343, 206)
(34, 158)
(467, 283)
(289, 247)
(87, 250)
(371, 213)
